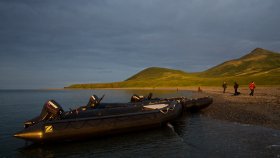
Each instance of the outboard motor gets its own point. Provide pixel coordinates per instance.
(93, 101)
(140, 98)
(149, 97)
(51, 110)
(136, 98)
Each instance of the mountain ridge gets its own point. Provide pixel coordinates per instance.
(155, 72)
(260, 65)
(256, 61)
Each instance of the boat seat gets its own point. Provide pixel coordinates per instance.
(155, 106)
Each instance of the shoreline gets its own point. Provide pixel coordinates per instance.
(262, 109)
(190, 88)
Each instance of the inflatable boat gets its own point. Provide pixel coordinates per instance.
(55, 124)
(196, 104)
(189, 105)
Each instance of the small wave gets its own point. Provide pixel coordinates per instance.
(274, 146)
(170, 126)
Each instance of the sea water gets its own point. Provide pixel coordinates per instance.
(192, 135)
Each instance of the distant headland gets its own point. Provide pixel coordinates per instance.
(260, 65)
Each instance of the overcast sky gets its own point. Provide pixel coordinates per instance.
(55, 43)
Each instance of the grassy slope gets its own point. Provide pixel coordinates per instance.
(257, 62)
(260, 65)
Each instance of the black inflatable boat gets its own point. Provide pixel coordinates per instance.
(189, 105)
(54, 124)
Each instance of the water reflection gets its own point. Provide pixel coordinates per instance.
(144, 143)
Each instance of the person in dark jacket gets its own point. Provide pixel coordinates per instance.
(224, 86)
(235, 86)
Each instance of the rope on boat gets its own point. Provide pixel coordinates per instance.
(167, 109)
(172, 107)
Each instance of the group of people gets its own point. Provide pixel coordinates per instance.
(252, 87)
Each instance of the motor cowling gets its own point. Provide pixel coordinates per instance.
(51, 110)
(93, 101)
(136, 98)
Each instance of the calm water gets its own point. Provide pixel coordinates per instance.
(191, 135)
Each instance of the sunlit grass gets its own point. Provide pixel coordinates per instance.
(260, 65)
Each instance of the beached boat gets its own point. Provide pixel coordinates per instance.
(193, 104)
(54, 124)
(189, 105)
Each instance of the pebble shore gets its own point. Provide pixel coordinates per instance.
(261, 109)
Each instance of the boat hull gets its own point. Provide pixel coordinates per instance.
(188, 105)
(95, 126)
(195, 105)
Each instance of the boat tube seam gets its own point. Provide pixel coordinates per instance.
(103, 117)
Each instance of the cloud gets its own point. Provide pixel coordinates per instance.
(105, 40)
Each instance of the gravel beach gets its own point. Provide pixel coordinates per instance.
(261, 109)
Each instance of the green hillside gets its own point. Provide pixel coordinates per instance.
(257, 62)
(260, 65)
(156, 73)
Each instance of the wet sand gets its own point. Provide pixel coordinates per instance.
(261, 109)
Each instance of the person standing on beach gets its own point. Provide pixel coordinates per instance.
(235, 86)
(199, 89)
(252, 87)
(224, 86)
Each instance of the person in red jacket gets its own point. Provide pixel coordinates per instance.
(252, 87)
